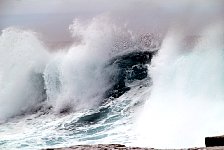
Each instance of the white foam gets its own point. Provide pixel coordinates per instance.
(22, 60)
(186, 101)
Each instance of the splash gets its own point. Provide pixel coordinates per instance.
(64, 80)
(186, 101)
(22, 61)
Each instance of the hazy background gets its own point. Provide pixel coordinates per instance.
(51, 18)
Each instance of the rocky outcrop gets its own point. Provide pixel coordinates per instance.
(214, 141)
(122, 147)
(101, 147)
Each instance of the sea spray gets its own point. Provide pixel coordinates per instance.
(22, 61)
(186, 101)
(67, 79)
(75, 78)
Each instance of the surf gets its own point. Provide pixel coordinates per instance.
(112, 85)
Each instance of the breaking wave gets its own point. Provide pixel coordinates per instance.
(112, 85)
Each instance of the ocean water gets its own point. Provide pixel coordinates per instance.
(112, 86)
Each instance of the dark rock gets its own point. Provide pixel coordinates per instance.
(100, 147)
(127, 68)
(122, 147)
(214, 141)
(66, 109)
(116, 91)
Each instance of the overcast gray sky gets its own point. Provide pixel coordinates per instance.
(52, 17)
(71, 6)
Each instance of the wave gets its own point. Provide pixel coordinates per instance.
(79, 77)
(23, 58)
(115, 85)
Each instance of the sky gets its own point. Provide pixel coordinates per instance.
(52, 17)
(71, 6)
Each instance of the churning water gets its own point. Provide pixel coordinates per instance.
(112, 86)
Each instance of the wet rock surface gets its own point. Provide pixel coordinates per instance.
(122, 147)
(100, 147)
(127, 68)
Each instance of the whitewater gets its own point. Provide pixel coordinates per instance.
(112, 85)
